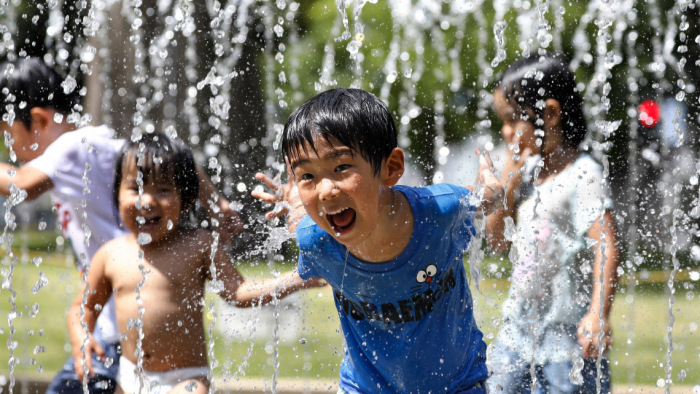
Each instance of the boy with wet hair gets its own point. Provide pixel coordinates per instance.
(392, 254)
(75, 164)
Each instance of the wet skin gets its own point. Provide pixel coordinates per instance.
(343, 195)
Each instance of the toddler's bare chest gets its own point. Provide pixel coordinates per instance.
(168, 274)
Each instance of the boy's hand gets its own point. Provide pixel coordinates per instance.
(90, 347)
(493, 189)
(588, 333)
(285, 199)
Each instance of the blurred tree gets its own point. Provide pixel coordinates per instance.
(225, 75)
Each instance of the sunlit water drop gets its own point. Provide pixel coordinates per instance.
(143, 239)
(69, 84)
(40, 283)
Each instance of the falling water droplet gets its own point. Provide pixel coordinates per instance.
(191, 386)
(35, 310)
(41, 282)
(102, 384)
(69, 84)
(354, 47)
(58, 118)
(170, 224)
(143, 239)
(34, 146)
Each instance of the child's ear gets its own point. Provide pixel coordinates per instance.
(552, 114)
(393, 167)
(41, 119)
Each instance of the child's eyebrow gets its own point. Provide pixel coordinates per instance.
(297, 163)
(333, 155)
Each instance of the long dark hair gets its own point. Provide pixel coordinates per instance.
(537, 78)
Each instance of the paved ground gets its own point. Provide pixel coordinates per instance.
(292, 386)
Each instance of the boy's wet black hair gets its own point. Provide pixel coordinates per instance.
(162, 158)
(28, 83)
(352, 117)
(537, 78)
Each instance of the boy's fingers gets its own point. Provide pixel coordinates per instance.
(267, 197)
(275, 214)
(99, 352)
(585, 342)
(87, 370)
(267, 181)
(78, 366)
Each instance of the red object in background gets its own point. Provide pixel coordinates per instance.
(649, 113)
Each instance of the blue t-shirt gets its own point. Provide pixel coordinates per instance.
(408, 323)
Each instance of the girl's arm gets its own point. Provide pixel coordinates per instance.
(97, 289)
(250, 292)
(595, 325)
(511, 179)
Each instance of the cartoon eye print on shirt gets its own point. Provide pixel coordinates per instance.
(426, 275)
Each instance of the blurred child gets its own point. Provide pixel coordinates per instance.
(564, 252)
(392, 254)
(75, 164)
(157, 274)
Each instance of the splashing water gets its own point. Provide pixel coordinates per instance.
(424, 46)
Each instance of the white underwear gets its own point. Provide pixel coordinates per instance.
(154, 382)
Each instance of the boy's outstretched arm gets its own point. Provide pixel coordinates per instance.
(97, 289)
(219, 208)
(250, 292)
(285, 199)
(594, 331)
(29, 179)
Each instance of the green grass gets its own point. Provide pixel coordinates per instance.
(639, 322)
(640, 326)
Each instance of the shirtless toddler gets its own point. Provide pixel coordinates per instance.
(157, 274)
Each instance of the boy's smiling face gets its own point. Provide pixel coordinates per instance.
(343, 195)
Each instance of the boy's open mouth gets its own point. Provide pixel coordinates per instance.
(342, 220)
